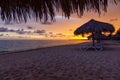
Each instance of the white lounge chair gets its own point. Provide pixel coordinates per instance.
(96, 47)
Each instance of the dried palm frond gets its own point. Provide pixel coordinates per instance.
(21, 10)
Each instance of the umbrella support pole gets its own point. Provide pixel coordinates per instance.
(93, 39)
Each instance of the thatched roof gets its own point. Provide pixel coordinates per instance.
(20, 10)
(94, 26)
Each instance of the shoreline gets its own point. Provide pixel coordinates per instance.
(18, 51)
(80, 44)
(26, 45)
(12, 52)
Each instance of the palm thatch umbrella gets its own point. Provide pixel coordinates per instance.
(21, 10)
(94, 27)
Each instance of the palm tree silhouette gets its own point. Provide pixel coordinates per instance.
(118, 31)
(21, 10)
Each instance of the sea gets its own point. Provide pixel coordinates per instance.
(20, 45)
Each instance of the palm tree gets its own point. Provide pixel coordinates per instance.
(118, 31)
(21, 10)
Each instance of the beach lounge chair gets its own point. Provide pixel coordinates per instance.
(96, 47)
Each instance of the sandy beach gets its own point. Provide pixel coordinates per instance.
(62, 63)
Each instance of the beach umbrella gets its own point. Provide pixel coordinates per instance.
(21, 10)
(94, 27)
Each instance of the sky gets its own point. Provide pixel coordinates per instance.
(62, 28)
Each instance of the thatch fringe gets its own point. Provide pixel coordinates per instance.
(21, 10)
(94, 26)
